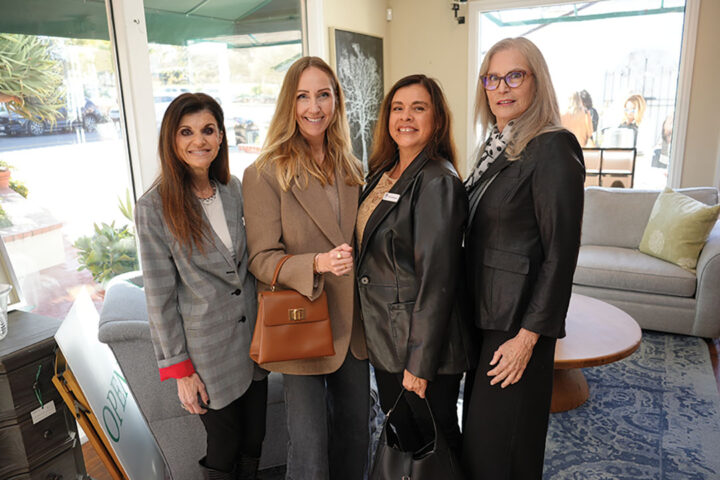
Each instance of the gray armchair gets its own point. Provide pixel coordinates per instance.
(180, 436)
(657, 294)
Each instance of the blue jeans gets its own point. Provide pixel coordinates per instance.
(328, 423)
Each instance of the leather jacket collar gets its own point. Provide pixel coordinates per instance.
(406, 180)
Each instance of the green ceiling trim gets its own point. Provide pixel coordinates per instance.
(581, 18)
(170, 22)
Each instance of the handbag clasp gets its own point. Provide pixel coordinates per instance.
(296, 314)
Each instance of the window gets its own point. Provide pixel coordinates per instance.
(81, 148)
(236, 52)
(63, 144)
(615, 62)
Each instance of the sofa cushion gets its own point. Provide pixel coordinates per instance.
(617, 217)
(678, 228)
(631, 270)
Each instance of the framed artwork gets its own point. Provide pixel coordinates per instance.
(358, 60)
(7, 275)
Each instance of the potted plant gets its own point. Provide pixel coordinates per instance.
(4, 218)
(111, 250)
(19, 187)
(4, 175)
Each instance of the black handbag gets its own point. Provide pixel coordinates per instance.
(434, 461)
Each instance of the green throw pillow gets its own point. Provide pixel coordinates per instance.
(678, 228)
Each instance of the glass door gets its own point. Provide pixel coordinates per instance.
(615, 66)
(237, 51)
(64, 219)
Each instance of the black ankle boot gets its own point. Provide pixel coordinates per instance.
(211, 474)
(247, 468)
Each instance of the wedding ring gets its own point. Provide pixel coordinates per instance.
(339, 255)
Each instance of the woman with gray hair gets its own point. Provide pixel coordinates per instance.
(522, 242)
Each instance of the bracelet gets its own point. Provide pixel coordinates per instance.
(316, 268)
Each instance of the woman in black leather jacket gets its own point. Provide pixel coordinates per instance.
(410, 226)
(526, 205)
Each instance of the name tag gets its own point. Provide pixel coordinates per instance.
(391, 197)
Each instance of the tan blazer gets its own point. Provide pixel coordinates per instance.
(302, 222)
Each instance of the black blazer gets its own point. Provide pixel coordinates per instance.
(408, 268)
(523, 237)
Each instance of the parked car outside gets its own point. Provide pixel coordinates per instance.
(12, 123)
(246, 131)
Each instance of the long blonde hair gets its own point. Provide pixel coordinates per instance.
(287, 150)
(543, 114)
(640, 105)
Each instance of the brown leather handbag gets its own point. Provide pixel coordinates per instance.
(289, 326)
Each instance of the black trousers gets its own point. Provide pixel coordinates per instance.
(411, 418)
(237, 429)
(504, 435)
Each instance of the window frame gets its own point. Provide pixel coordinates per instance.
(685, 71)
(128, 36)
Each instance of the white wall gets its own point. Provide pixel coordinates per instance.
(702, 146)
(423, 37)
(366, 16)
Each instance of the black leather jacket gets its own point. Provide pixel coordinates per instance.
(523, 237)
(408, 268)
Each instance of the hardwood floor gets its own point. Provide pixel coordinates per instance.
(97, 470)
(93, 465)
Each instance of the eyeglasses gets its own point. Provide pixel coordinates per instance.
(512, 79)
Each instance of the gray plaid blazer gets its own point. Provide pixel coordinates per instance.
(201, 308)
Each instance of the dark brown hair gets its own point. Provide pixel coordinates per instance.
(180, 207)
(440, 145)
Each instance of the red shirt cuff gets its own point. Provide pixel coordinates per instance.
(179, 370)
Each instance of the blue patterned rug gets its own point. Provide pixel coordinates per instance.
(654, 415)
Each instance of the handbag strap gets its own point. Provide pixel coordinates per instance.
(277, 271)
(432, 417)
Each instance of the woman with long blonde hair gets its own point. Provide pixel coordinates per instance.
(301, 198)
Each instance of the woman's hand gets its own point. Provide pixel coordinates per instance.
(338, 261)
(414, 384)
(513, 357)
(188, 390)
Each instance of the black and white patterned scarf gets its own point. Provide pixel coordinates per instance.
(494, 146)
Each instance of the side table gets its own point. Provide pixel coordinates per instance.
(34, 448)
(597, 334)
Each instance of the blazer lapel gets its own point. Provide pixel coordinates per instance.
(479, 188)
(348, 207)
(314, 201)
(406, 180)
(230, 210)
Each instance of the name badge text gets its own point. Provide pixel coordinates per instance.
(391, 197)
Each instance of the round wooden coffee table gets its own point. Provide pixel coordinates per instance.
(597, 333)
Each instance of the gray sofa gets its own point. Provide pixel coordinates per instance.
(657, 294)
(180, 436)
